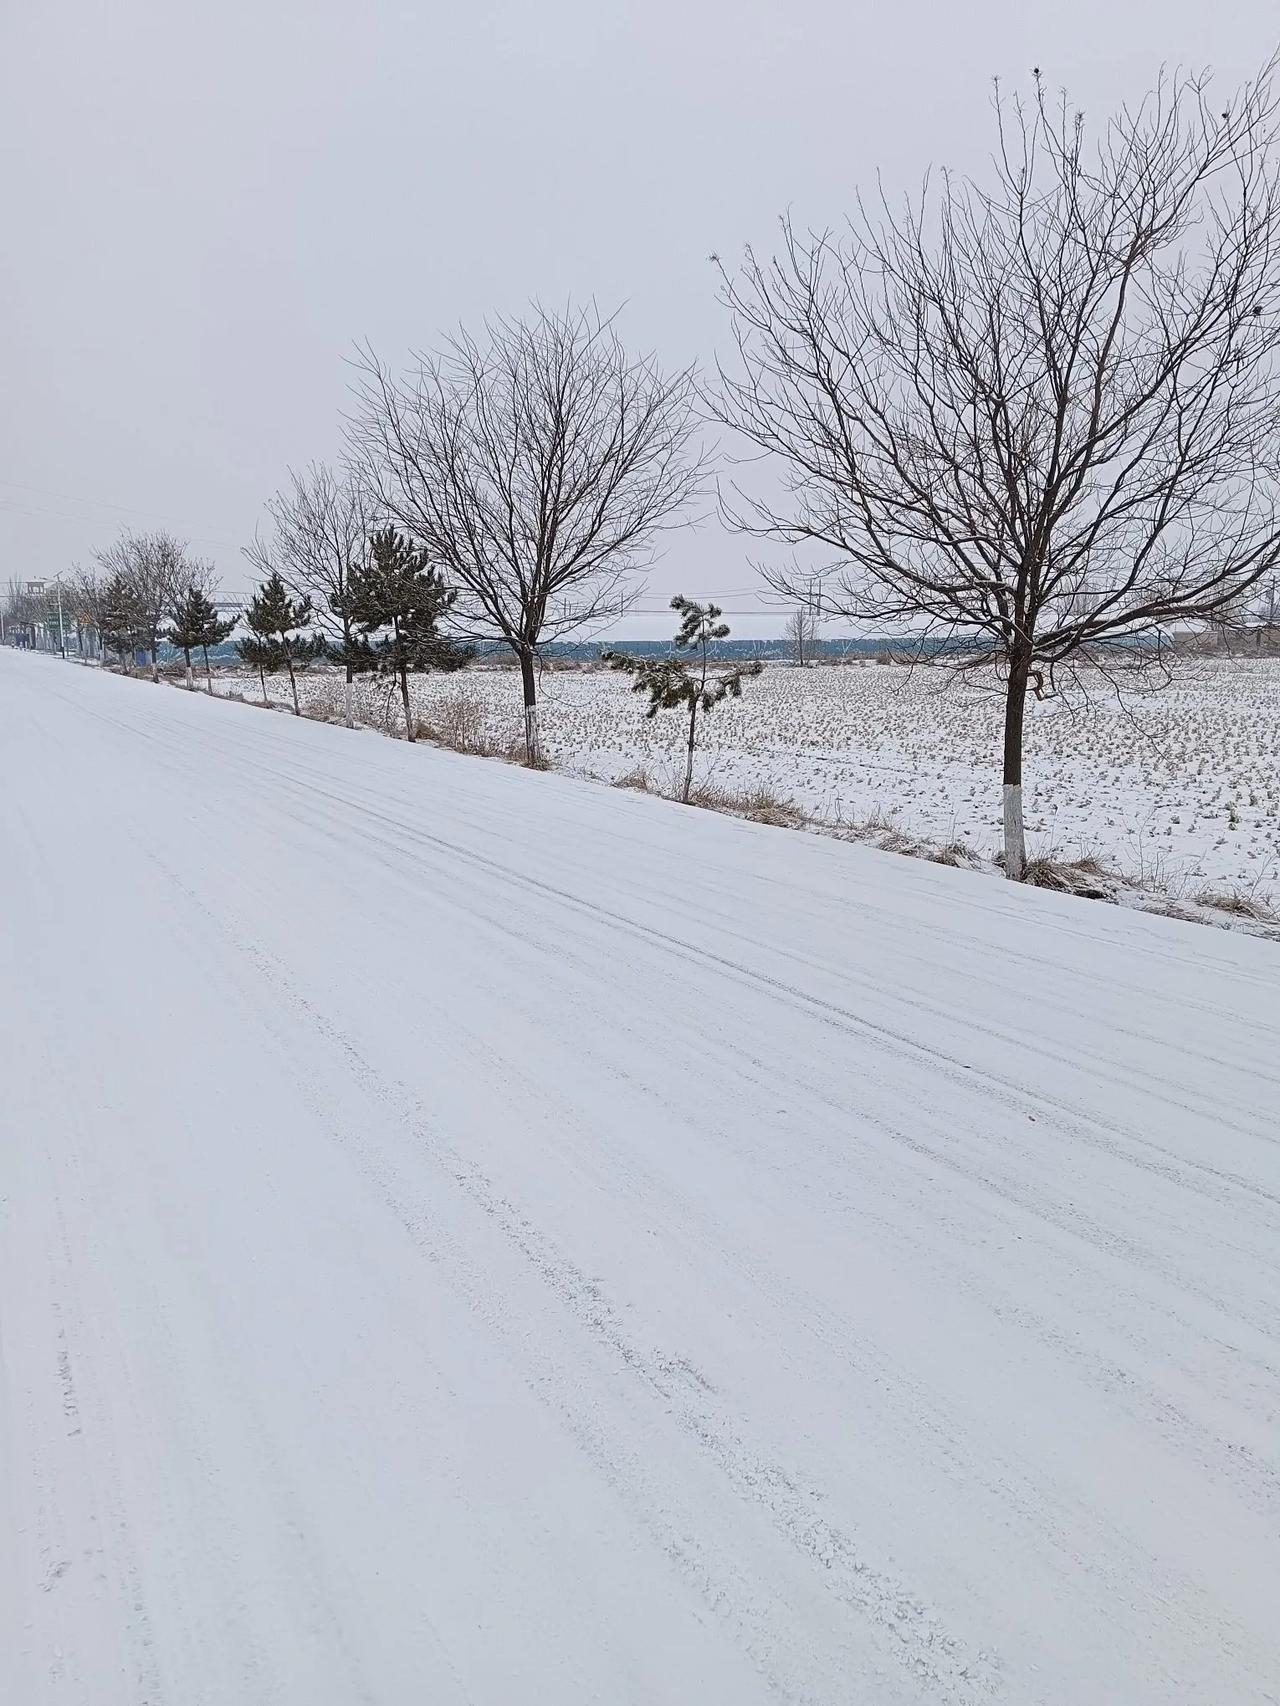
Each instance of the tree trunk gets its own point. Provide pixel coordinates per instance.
(186, 652)
(155, 659)
(262, 677)
(208, 673)
(532, 746)
(293, 680)
(347, 696)
(1015, 705)
(404, 699)
(688, 762)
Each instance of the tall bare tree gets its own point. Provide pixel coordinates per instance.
(87, 592)
(536, 469)
(1036, 419)
(1265, 612)
(319, 536)
(801, 635)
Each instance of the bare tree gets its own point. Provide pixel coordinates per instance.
(84, 594)
(84, 598)
(149, 572)
(1036, 421)
(801, 635)
(320, 530)
(1266, 611)
(536, 471)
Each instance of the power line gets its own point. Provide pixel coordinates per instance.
(94, 503)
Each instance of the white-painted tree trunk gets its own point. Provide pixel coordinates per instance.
(689, 746)
(1015, 846)
(532, 744)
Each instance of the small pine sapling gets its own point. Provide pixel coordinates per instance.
(689, 682)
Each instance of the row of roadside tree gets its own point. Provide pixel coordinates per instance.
(1027, 423)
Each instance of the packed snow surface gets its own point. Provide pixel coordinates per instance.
(474, 1236)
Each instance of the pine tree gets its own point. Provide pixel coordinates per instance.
(275, 622)
(676, 683)
(195, 622)
(122, 624)
(261, 654)
(214, 630)
(396, 596)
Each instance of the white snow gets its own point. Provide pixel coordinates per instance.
(473, 1236)
(1178, 788)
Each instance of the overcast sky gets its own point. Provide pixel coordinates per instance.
(207, 203)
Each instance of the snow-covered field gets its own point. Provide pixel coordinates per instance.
(473, 1237)
(1179, 789)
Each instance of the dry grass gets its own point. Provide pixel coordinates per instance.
(760, 805)
(957, 853)
(1176, 909)
(1230, 911)
(325, 701)
(1238, 904)
(1086, 877)
(638, 778)
(459, 723)
(843, 828)
(515, 753)
(896, 840)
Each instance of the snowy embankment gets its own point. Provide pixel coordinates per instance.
(1177, 789)
(471, 1236)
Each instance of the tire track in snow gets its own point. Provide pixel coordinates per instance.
(907, 1634)
(1075, 1126)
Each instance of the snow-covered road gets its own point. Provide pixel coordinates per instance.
(473, 1236)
